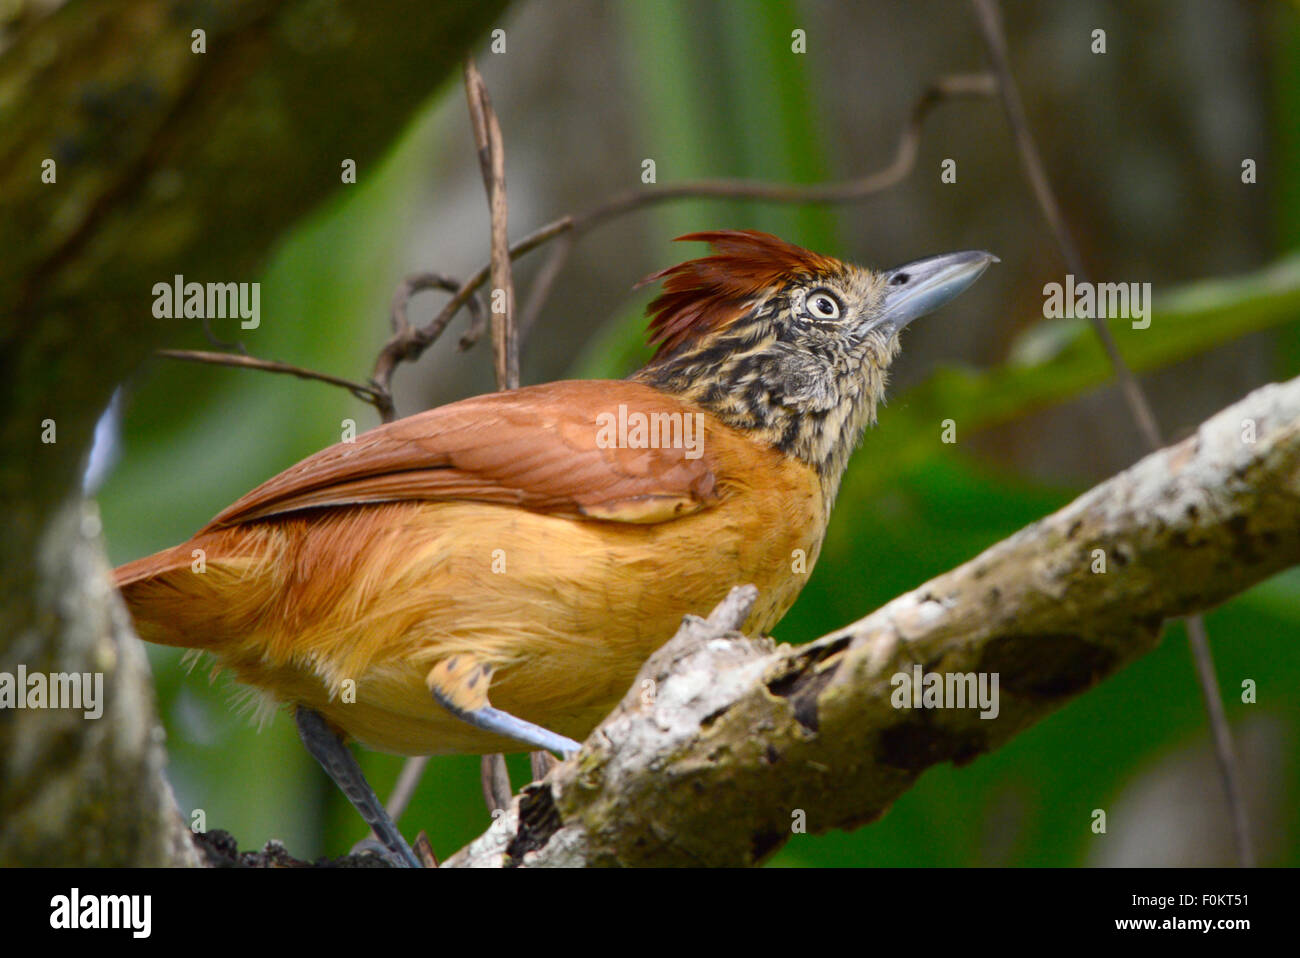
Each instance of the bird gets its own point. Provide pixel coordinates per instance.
(489, 575)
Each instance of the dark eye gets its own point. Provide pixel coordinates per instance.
(898, 279)
(823, 305)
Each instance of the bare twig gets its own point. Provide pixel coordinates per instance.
(505, 334)
(410, 345)
(471, 336)
(413, 343)
(1225, 755)
(542, 284)
(496, 782)
(374, 393)
(409, 778)
(424, 851)
(505, 338)
(991, 25)
(847, 191)
(989, 17)
(419, 282)
(541, 764)
(360, 390)
(492, 162)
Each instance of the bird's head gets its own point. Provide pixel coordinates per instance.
(789, 344)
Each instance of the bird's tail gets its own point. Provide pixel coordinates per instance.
(172, 595)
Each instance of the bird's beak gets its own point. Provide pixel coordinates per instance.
(922, 286)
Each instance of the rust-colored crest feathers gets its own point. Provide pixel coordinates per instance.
(704, 295)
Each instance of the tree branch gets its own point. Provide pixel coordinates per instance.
(85, 785)
(360, 390)
(768, 732)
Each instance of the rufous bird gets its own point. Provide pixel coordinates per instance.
(492, 574)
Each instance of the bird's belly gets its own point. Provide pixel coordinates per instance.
(565, 611)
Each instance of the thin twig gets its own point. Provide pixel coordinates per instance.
(1224, 753)
(542, 284)
(846, 191)
(373, 393)
(409, 343)
(492, 163)
(496, 782)
(505, 340)
(412, 344)
(541, 764)
(469, 339)
(424, 851)
(989, 16)
(417, 283)
(991, 26)
(409, 778)
(360, 390)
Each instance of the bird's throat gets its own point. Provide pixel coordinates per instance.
(747, 392)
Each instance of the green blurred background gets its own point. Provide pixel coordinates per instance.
(1145, 144)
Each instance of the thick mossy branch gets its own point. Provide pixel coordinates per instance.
(158, 159)
(722, 741)
(169, 161)
(85, 786)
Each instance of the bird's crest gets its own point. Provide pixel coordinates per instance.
(704, 295)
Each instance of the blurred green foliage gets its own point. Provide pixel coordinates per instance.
(912, 507)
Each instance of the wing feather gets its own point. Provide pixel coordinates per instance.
(540, 448)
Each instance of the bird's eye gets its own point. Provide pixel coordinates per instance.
(823, 305)
(898, 279)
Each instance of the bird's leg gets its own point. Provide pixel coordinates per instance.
(340, 765)
(503, 723)
(460, 683)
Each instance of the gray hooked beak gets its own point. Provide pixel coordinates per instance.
(921, 287)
